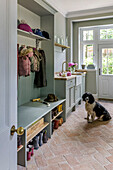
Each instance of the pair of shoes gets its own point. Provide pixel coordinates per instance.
(38, 140)
(31, 148)
(28, 154)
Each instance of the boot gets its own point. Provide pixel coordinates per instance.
(56, 123)
(36, 142)
(31, 147)
(28, 154)
(52, 127)
(45, 136)
(60, 120)
(40, 138)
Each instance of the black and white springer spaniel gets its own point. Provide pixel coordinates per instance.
(94, 109)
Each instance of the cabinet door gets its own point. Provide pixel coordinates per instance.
(83, 84)
(68, 99)
(78, 92)
(72, 90)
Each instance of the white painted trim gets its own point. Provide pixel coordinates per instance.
(93, 18)
(54, 6)
(90, 12)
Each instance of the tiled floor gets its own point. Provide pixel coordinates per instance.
(77, 145)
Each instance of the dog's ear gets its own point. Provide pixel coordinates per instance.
(91, 99)
(84, 96)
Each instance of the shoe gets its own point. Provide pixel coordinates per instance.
(31, 147)
(60, 121)
(28, 154)
(56, 123)
(52, 127)
(40, 138)
(45, 136)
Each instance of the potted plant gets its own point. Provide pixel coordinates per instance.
(72, 67)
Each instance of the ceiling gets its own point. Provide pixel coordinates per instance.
(70, 6)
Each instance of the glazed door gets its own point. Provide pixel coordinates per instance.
(8, 84)
(106, 71)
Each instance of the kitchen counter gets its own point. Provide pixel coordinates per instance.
(85, 70)
(74, 75)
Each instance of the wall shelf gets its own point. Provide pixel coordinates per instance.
(62, 46)
(30, 35)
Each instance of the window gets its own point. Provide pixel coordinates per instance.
(87, 46)
(90, 39)
(106, 34)
(88, 54)
(87, 35)
(107, 61)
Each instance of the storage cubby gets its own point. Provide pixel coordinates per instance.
(29, 115)
(35, 117)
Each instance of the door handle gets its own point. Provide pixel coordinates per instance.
(99, 71)
(19, 131)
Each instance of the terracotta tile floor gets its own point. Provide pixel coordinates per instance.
(77, 145)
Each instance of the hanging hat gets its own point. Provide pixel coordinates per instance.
(51, 98)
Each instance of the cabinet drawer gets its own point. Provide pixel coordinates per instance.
(70, 83)
(78, 80)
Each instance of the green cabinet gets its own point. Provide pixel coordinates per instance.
(71, 90)
(66, 89)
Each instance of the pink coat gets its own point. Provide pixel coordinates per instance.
(24, 66)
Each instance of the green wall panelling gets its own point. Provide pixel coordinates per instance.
(26, 89)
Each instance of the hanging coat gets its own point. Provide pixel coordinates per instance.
(40, 77)
(24, 66)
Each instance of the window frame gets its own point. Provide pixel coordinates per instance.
(87, 42)
(96, 42)
(104, 27)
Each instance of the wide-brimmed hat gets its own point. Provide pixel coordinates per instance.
(26, 51)
(51, 98)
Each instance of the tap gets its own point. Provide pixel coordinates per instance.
(63, 65)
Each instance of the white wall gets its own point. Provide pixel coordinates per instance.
(32, 20)
(60, 31)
